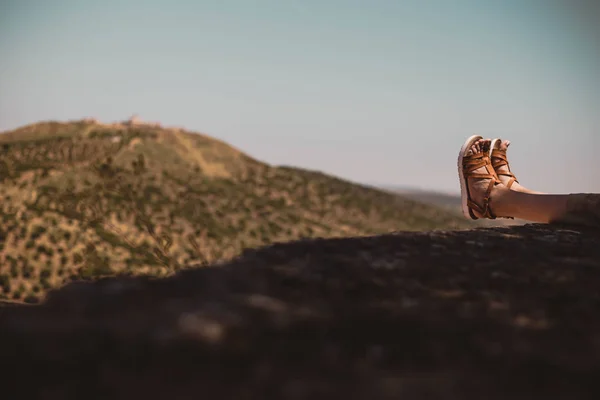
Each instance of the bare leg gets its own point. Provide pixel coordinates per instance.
(532, 207)
(516, 186)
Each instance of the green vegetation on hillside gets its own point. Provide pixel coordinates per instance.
(83, 200)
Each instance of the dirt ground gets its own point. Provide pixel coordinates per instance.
(497, 313)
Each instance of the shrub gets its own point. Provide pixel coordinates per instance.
(77, 258)
(95, 270)
(27, 271)
(31, 299)
(44, 250)
(45, 284)
(18, 294)
(37, 232)
(5, 283)
(14, 270)
(45, 273)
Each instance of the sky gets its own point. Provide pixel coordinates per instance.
(375, 91)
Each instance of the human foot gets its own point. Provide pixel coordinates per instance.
(477, 178)
(500, 163)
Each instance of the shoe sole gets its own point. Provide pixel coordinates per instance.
(464, 185)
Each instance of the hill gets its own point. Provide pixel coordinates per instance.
(83, 200)
(496, 313)
(446, 200)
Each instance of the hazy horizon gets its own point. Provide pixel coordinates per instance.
(383, 94)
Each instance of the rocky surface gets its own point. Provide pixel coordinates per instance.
(497, 313)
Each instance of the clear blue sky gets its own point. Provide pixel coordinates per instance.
(375, 91)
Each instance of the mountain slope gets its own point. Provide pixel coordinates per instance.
(83, 199)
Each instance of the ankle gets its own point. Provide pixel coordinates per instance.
(519, 188)
(500, 201)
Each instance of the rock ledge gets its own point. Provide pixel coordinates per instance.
(497, 313)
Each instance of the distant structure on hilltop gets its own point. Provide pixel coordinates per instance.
(135, 120)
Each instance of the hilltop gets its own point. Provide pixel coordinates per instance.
(495, 313)
(83, 200)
